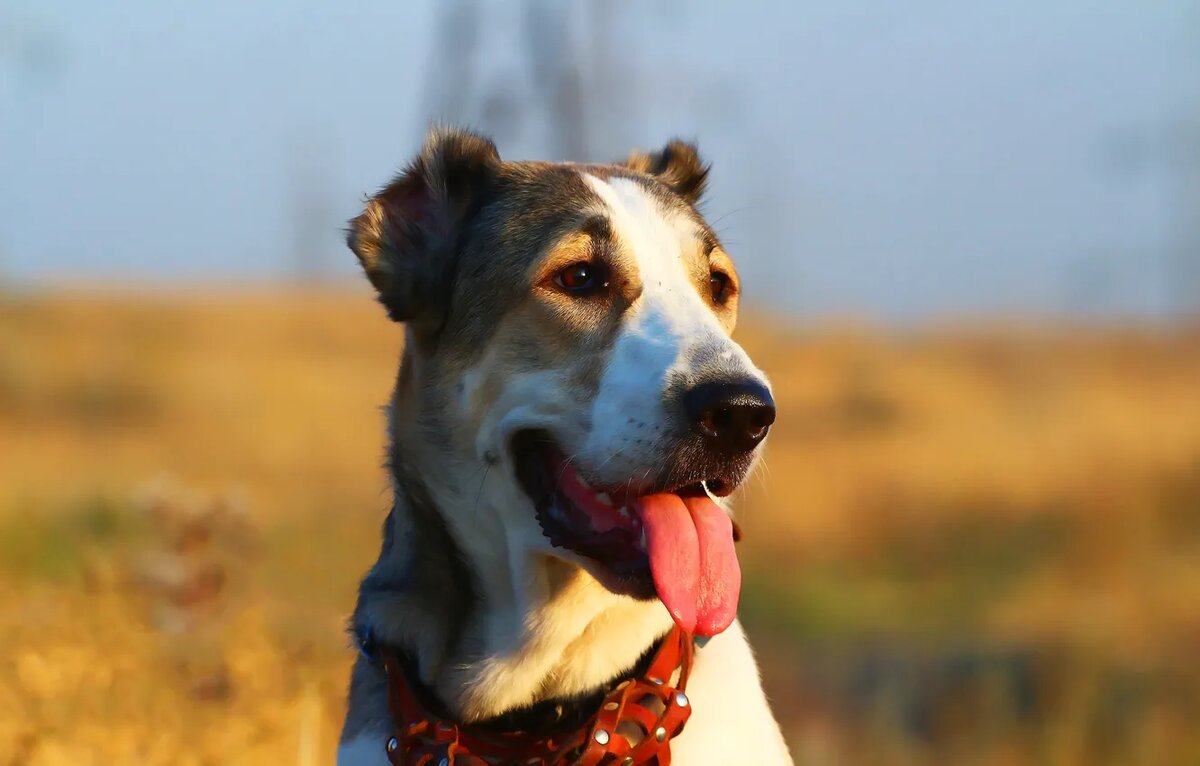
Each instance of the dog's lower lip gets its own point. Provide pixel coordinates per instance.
(599, 524)
(605, 533)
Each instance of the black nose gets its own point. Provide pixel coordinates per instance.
(732, 417)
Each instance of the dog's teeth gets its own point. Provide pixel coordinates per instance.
(623, 512)
(642, 544)
(604, 499)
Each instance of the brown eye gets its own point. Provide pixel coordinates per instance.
(720, 286)
(581, 278)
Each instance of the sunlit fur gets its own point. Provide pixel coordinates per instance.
(547, 628)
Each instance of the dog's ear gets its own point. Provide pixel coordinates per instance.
(403, 236)
(677, 165)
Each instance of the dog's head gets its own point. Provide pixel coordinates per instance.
(569, 354)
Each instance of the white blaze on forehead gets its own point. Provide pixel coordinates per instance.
(669, 331)
(655, 238)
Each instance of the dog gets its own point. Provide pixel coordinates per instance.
(569, 418)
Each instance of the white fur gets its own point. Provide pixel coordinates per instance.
(731, 722)
(661, 336)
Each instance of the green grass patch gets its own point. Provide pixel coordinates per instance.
(52, 543)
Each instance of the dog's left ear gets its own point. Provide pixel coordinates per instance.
(677, 165)
(405, 236)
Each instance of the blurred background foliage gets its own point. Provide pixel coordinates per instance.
(968, 234)
(964, 546)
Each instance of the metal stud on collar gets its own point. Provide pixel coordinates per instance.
(660, 734)
(602, 736)
(392, 744)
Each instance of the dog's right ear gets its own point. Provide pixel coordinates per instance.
(403, 236)
(677, 165)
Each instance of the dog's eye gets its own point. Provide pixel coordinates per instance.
(720, 286)
(581, 278)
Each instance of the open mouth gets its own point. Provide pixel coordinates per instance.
(673, 543)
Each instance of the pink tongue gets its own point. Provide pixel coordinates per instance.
(695, 569)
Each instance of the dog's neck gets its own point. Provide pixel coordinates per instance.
(490, 626)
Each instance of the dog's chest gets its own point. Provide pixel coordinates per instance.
(730, 721)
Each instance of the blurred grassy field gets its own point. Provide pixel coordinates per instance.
(966, 545)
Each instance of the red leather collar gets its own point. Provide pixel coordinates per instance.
(633, 725)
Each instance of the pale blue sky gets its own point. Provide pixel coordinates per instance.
(899, 160)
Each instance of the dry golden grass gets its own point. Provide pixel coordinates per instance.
(965, 546)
